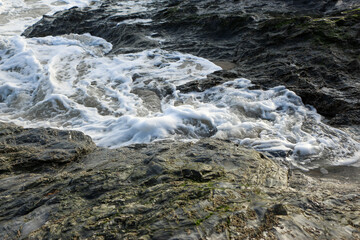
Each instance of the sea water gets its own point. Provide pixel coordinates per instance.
(71, 82)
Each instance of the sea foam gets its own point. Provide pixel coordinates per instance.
(17, 15)
(69, 82)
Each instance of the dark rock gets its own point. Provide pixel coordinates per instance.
(279, 209)
(53, 187)
(214, 79)
(169, 190)
(36, 148)
(311, 47)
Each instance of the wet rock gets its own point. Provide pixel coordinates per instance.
(33, 149)
(212, 80)
(170, 190)
(311, 47)
(279, 209)
(150, 99)
(104, 22)
(53, 187)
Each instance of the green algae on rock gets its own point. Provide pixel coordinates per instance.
(210, 189)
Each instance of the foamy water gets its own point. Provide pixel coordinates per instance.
(17, 15)
(70, 82)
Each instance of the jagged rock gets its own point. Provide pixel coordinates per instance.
(311, 47)
(211, 189)
(54, 187)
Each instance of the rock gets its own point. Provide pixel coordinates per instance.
(278, 209)
(212, 80)
(211, 189)
(37, 148)
(311, 47)
(150, 99)
(54, 187)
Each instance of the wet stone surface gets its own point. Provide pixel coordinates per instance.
(310, 47)
(210, 189)
(57, 184)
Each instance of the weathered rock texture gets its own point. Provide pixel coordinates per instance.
(36, 149)
(311, 47)
(59, 185)
(210, 189)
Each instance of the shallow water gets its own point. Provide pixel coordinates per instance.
(70, 82)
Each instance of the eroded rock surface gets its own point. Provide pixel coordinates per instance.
(211, 189)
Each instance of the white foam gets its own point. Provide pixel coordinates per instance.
(277, 121)
(69, 82)
(307, 148)
(136, 21)
(129, 7)
(68, 79)
(17, 15)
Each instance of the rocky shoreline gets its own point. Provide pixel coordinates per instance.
(57, 184)
(310, 47)
(211, 189)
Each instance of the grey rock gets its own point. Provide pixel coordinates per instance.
(150, 99)
(211, 189)
(36, 148)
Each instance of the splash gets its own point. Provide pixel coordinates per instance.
(69, 82)
(17, 15)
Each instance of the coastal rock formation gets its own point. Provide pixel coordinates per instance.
(311, 47)
(57, 184)
(210, 189)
